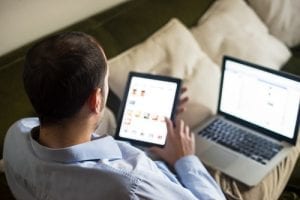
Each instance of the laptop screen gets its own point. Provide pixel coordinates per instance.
(260, 96)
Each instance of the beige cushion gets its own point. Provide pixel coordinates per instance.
(282, 18)
(172, 51)
(107, 124)
(231, 27)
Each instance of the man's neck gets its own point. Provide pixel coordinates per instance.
(69, 134)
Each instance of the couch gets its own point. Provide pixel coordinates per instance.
(117, 29)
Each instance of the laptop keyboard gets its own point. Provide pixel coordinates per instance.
(240, 140)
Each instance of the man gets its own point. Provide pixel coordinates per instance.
(58, 156)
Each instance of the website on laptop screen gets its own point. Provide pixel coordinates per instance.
(261, 98)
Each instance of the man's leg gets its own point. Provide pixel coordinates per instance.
(270, 187)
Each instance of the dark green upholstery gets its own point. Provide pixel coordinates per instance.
(117, 29)
(293, 65)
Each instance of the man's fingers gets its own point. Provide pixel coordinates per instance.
(183, 89)
(180, 127)
(183, 100)
(187, 130)
(180, 110)
(170, 128)
(181, 106)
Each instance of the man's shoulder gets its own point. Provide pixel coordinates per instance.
(23, 125)
(18, 131)
(16, 142)
(21, 164)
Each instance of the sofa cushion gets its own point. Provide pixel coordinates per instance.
(172, 51)
(281, 17)
(107, 124)
(231, 27)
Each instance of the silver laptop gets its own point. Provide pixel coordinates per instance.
(257, 121)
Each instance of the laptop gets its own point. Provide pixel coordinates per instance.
(256, 124)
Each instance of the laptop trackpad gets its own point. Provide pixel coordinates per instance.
(217, 157)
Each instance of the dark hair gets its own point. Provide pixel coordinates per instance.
(60, 72)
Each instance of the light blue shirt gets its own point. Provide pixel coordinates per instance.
(100, 169)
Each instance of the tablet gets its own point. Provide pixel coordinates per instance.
(147, 100)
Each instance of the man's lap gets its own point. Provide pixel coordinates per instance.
(270, 187)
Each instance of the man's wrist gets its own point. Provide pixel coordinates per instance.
(187, 162)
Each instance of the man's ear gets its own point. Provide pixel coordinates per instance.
(95, 101)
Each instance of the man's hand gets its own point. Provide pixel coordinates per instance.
(183, 100)
(180, 142)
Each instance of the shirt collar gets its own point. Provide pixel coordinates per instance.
(97, 149)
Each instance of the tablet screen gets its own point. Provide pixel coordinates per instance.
(147, 101)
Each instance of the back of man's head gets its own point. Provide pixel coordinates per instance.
(60, 72)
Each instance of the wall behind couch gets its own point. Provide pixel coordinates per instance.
(22, 21)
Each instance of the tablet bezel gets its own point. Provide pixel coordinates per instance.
(124, 100)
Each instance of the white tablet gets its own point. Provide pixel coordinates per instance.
(147, 100)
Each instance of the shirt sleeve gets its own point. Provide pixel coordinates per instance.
(195, 183)
(194, 176)
(157, 187)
